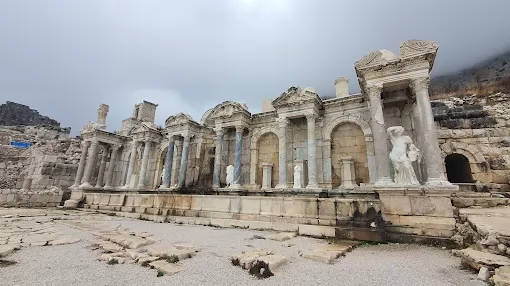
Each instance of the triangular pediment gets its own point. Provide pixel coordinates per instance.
(229, 108)
(296, 95)
(178, 119)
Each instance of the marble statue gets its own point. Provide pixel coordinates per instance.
(297, 177)
(402, 155)
(230, 175)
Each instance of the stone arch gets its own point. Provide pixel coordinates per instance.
(369, 141)
(458, 169)
(477, 163)
(254, 155)
(160, 163)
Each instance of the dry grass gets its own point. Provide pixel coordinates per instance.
(480, 90)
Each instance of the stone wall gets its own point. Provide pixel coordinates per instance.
(29, 198)
(478, 128)
(13, 166)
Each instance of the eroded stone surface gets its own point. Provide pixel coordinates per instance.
(260, 263)
(478, 259)
(330, 252)
(502, 276)
(165, 267)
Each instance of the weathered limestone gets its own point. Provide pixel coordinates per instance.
(102, 167)
(237, 156)
(379, 133)
(342, 87)
(348, 173)
(81, 166)
(282, 152)
(267, 170)
(312, 150)
(184, 161)
(111, 166)
(168, 163)
(132, 160)
(89, 168)
(145, 160)
(217, 157)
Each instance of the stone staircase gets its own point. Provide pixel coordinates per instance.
(483, 233)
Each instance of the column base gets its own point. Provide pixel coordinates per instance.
(312, 186)
(281, 186)
(236, 186)
(437, 182)
(384, 181)
(85, 186)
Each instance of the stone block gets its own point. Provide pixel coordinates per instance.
(432, 206)
(249, 205)
(271, 206)
(316, 230)
(165, 267)
(399, 205)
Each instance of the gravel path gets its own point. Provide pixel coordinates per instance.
(390, 264)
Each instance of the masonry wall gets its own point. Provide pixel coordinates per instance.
(13, 166)
(28, 198)
(477, 127)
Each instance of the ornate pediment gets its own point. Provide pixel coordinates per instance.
(418, 47)
(379, 57)
(228, 109)
(178, 119)
(296, 96)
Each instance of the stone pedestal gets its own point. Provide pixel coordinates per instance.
(348, 174)
(267, 171)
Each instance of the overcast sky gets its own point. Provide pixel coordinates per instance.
(65, 57)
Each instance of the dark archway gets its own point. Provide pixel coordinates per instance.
(458, 169)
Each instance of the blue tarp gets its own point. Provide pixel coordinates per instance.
(21, 144)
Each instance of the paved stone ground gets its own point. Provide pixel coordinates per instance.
(77, 263)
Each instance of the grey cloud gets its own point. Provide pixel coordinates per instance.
(64, 58)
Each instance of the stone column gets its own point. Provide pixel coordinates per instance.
(184, 161)
(91, 164)
(176, 163)
(327, 168)
(267, 171)
(348, 173)
(131, 166)
(312, 153)
(142, 180)
(238, 156)
(282, 153)
(379, 133)
(81, 166)
(217, 156)
(427, 128)
(102, 167)
(111, 166)
(168, 163)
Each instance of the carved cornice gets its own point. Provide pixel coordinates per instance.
(417, 47)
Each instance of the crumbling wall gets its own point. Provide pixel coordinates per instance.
(13, 165)
(478, 128)
(27, 198)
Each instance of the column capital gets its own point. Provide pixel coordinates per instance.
(187, 137)
(220, 131)
(94, 141)
(311, 116)
(116, 147)
(86, 143)
(374, 89)
(240, 128)
(282, 121)
(419, 83)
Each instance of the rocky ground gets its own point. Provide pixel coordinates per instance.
(53, 247)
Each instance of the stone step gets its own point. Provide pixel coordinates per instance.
(484, 202)
(360, 233)
(478, 259)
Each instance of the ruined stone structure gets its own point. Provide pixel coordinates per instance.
(338, 149)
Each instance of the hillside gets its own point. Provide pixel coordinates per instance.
(491, 75)
(12, 114)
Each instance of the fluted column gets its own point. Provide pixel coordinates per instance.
(184, 161)
(168, 163)
(91, 164)
(131, 166)
(102, 167)
(312, 152)
(238, 156)
(379, 133)
(142, 180)
(282, 153)
(427, 128)
(217, 156)
(81, 167)
(111, 166)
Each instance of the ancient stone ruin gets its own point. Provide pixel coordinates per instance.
(387, 164)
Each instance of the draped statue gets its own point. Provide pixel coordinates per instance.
(402, 155)
(297, 177)
(230, 175)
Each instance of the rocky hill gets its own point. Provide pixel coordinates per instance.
(12, 114)
(491, 75)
